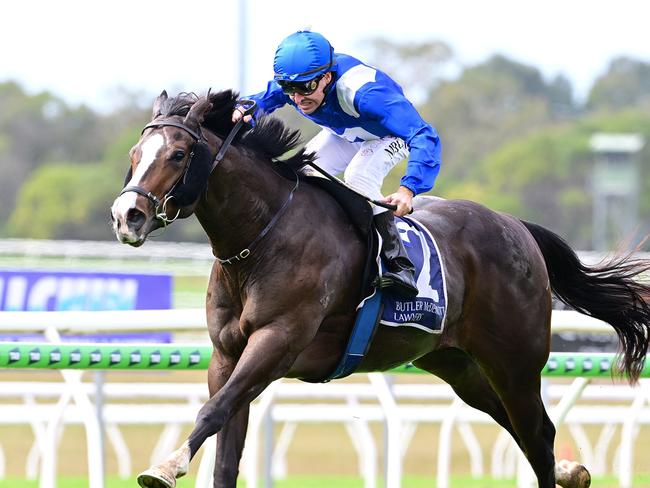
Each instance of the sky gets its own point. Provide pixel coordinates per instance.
(87, 51)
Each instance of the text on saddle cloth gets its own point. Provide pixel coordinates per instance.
(426, 311)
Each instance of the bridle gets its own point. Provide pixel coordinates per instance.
(160, 207)
(249, 107)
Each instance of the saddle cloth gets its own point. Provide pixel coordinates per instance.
(426, 311)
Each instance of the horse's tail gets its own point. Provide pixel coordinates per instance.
(607, 291)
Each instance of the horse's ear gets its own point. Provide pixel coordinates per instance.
(197, 113)
(157, 105)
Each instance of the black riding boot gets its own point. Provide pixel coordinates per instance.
(400, 274)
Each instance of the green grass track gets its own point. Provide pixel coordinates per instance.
(642, 481)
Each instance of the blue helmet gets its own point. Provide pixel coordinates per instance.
(302, 56)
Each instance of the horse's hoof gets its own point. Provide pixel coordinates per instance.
(156, 478)
(570, 474)
(584, 478)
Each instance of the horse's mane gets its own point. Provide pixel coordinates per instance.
(270, 138)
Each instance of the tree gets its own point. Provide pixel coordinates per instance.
(511, 140)
(625, 84)
(416, 66)
(37, 129)
(489, 104)
(65, 201)
(546, 176)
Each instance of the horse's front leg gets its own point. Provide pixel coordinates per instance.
(230, 444)
(268, 355)
(230, 439)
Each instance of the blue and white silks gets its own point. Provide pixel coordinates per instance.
(362, 104)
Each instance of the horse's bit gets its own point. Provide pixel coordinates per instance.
(160, 208)
(249, 107)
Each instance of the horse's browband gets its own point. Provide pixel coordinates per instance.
(161, 123)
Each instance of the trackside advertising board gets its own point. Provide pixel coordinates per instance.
(78, 290)
(38, 291)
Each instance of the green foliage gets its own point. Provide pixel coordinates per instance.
(39, 129)
(626, 83)
(489, 104)
(117, 153)
(549, 175)
(547, 172)
(416, 66)
(65, 200)
(512, 140)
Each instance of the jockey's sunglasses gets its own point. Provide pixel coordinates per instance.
(302, 87)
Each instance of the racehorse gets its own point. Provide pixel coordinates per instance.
(286, 280)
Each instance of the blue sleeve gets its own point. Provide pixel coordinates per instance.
(401, 119)
(271, 99)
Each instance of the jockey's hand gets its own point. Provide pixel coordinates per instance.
(403, 198)
(238, 113)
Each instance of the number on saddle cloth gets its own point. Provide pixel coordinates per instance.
(426, 311)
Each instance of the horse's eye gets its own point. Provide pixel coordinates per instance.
(178, 156)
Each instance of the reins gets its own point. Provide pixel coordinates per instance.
(160, 208)
(249, 107)
(244, 253)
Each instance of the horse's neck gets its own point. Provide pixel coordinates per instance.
(243, 196)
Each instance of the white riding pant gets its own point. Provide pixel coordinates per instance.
(364, 164)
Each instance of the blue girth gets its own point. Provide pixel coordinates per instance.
(362, 332)
(426, 312)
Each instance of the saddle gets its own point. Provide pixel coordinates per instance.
(359, 211)
(425, 313)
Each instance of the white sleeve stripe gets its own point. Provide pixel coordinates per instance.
(349, 83)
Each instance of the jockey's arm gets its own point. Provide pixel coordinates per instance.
(267, 101)
(401, 119)
(403, 198)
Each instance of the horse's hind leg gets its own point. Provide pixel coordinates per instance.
(517, 383)
(537, 434)
(531, 421)
(534, 427)
(468, 381)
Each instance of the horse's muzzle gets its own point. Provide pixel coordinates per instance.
(130, 225)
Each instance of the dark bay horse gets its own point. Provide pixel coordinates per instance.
(284, 287)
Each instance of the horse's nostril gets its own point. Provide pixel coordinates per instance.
(135, 219)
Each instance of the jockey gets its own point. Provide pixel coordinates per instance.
(368, 127)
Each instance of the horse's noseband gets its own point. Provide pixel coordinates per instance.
(160, 208)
